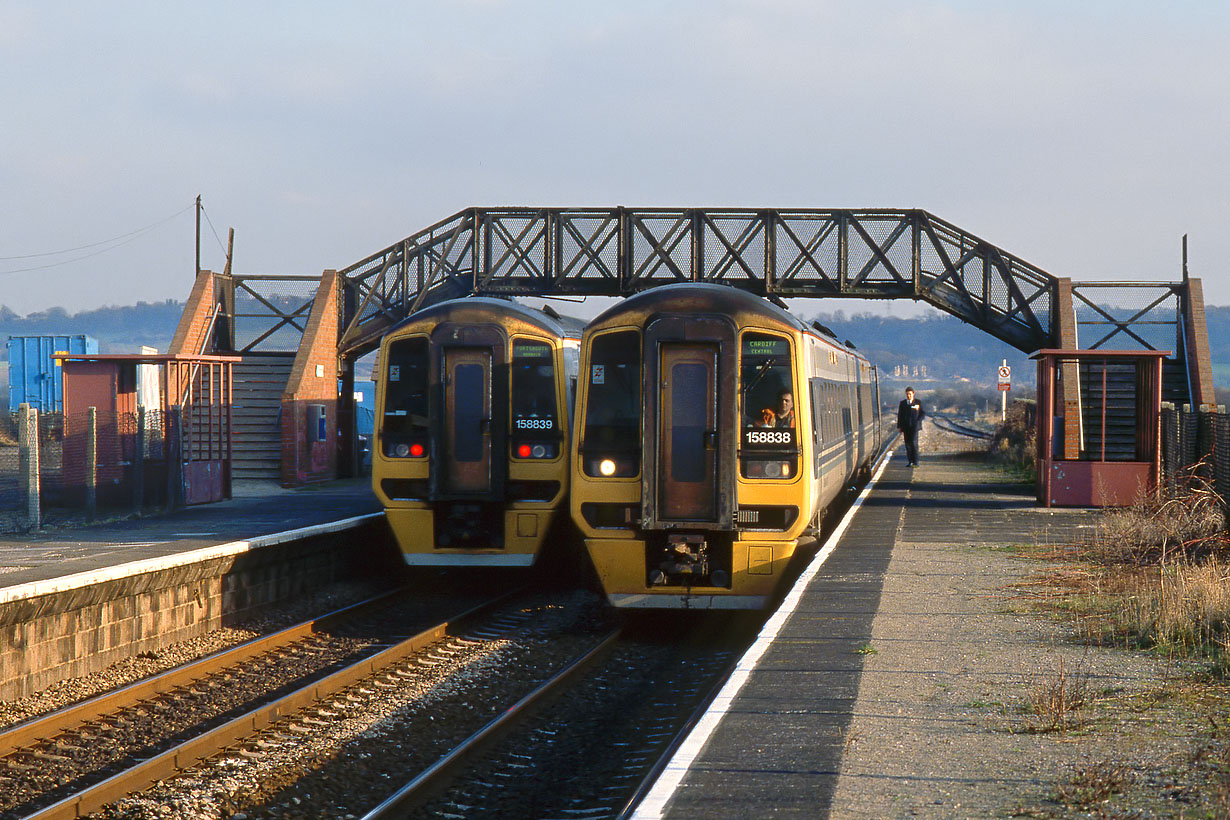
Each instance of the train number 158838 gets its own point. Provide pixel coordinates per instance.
(769, 437)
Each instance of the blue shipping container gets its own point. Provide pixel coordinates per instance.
(34, 377)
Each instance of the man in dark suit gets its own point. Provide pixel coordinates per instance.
(909, 418)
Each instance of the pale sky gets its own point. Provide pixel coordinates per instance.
(1085, 138)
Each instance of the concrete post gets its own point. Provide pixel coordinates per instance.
(138, 464)
(91, 463)
(175, 459)
(27, 448)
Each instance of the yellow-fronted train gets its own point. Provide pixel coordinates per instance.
(714, 429)
(473, 402)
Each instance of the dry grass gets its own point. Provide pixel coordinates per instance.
(1057, 701)
(1184, 522)
(1153, 576)
(1090, 786)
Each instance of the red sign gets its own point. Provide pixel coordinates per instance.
(1005, 386)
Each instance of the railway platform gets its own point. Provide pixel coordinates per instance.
(74, 600)
(257, 510)
(843, 706)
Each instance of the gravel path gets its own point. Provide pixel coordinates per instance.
(946, 723)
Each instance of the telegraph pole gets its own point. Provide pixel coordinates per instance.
(198, 236)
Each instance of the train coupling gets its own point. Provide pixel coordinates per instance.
(684, 561)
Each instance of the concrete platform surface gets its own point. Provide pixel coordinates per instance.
(776, 739)
(256, 509)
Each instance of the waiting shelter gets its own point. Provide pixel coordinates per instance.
(170, 408)
(1098, 444)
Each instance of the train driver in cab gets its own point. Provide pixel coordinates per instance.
(781, 414)
(785, 409)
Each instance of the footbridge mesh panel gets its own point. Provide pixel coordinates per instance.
(618, 251)
(270, 313)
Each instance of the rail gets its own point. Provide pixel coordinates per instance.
(430, 779)
(205, 745)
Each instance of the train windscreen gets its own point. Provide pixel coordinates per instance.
(405, 416)
(533, 389)
(768, 441)
(613, 406)
(766, 386)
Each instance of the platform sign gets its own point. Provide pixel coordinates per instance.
(1005, 384)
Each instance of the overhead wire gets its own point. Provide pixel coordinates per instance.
(212, 228)
(110, 244)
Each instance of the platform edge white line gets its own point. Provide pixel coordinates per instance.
(655, 803)
(78, 580)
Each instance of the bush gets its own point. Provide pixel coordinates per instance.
(1015, 442)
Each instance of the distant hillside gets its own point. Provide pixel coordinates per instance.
(930, 352)
(117, 329)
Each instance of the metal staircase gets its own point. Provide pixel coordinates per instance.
(258, 383)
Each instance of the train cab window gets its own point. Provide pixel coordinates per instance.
(768, 443)
(404, 423)
(535, 429)
(611, 447)
(766, 385)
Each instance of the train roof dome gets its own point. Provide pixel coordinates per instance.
(549, 321)
(684, 296)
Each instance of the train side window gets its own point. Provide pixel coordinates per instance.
(404, 419)
(612, 430)
(534, 410)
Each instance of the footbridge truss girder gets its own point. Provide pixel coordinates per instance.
(777, 253)
(788, 253)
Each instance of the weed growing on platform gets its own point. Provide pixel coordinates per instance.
(1057, 701)
(1162, 567)
(1089, 786)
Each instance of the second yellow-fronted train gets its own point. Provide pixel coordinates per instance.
(473, 402)
(713, 431)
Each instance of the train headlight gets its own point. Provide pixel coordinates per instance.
(539, 451)
(611, 465)
(764, 468)
(402, 450)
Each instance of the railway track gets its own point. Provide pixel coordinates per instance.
(570, 704)
(50, 770)
(589, 743)
(948, 424)
(78, 760)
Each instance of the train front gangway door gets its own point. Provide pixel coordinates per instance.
(687, 434)
(467, 421)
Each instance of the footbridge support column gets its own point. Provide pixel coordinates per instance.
(1069, 392)
(1199, 357)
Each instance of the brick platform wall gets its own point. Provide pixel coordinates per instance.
(61, 635)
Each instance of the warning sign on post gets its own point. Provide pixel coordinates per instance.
(1005, 377)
